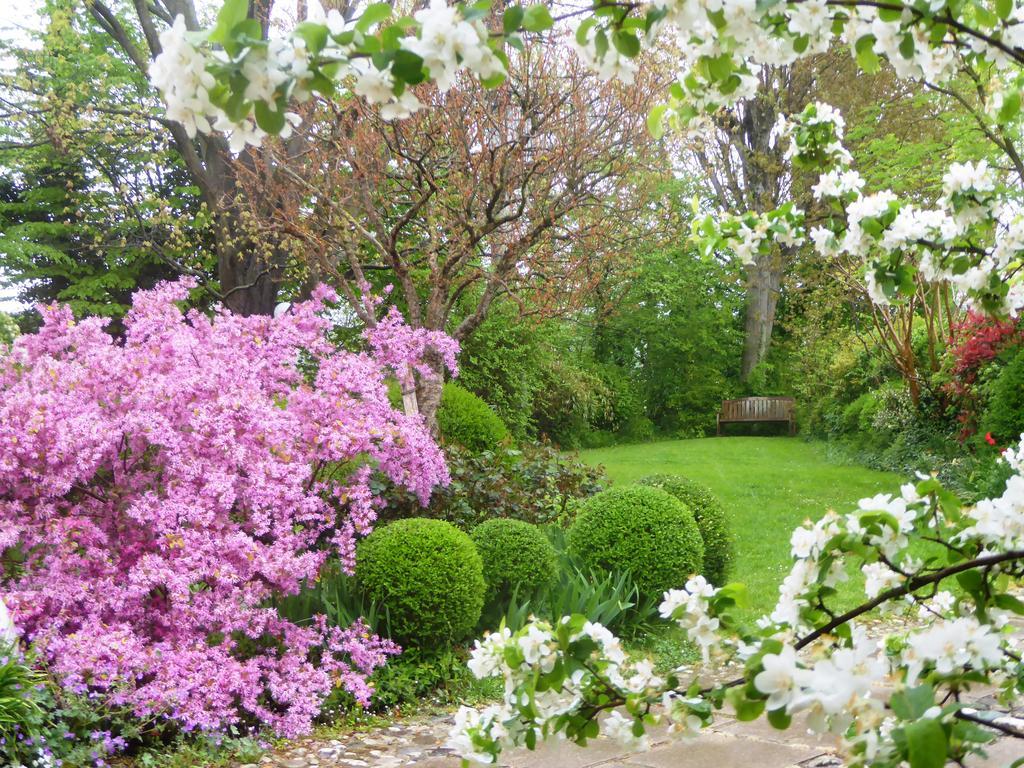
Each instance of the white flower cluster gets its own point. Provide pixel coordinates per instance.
(948, 646)
(181, 74)
(886, 232)
(833, 691)
(999, 522)
(448, 43)
(282, 69)
(688, 607)
(536, 650)
(969, 190)
(838, 184)
(817, 549)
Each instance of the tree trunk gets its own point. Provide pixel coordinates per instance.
(764, 280)
(428, 392)
(248, 282)
(248, 271)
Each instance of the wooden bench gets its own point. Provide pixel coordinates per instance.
(755, 409)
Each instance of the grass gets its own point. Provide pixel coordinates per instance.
(768, 486)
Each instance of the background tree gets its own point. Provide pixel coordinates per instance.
(518, 193)
(746, 172)
(93, 204)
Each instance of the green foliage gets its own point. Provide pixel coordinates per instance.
(427, 575)
(419, 677)
(517, 557)
(8, 330)
(505, 361)
(711, 521)
(1004, 416)
(94, 203)
(21, 704)
(643, 531)
(535, 483)
(337, 597)
(465, 419)
(668, 351)
(611, 598)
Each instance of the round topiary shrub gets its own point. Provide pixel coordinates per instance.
(711, 521)
(516, 556)
(427, 575)
(464, 418)
(644, 531)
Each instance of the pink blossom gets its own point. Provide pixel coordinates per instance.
(165, 487)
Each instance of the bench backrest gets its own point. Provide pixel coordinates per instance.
(758, 409)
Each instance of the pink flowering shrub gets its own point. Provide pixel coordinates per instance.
(155, 494)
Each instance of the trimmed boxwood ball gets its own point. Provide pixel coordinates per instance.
(641, 530)
(428, 576)
(711, 521)
(464, 418)
(516, 556)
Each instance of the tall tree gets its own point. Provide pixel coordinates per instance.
(249, 270)
(513, 193)
(92, 203)
(747, 172)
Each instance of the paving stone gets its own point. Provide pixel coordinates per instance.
(796, 735)
(722, 751)
(1001, 754)
(823, 761)
(558, 753)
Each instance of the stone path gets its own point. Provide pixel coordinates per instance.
(727, 744)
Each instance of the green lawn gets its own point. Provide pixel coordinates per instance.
(768, 486)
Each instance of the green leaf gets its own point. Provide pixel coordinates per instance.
(656, 120)
(232, 13)
(315, 36)
(1009, 603)
(911, 703)
(373, 14)
(626, 43)
(583, 29)
(1010, 107)
(1004, 8)
(512, 18)
(720, 67)
(531, 739)
(746, 709)
(408, 67)
(907, 47)
(779, 719)
(537, 18)
(269, 120)
(867, 59)
(926, 744)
